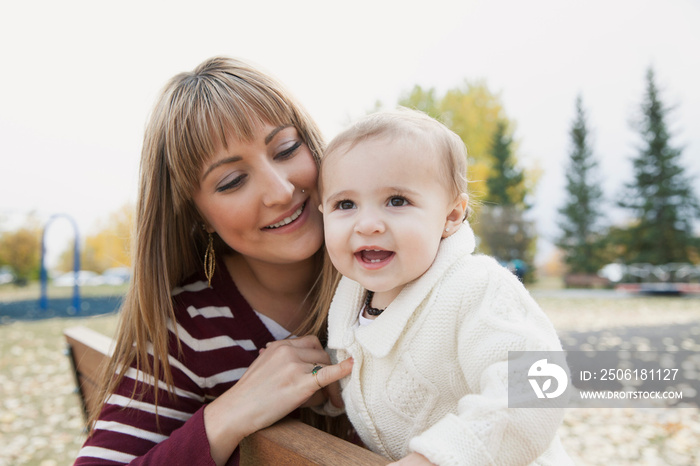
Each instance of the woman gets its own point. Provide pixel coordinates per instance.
(228, 258)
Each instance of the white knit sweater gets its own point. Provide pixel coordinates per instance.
(430, 373)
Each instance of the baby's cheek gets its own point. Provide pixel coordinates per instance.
(336, 244)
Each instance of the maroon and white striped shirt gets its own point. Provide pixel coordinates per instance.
(220, 335)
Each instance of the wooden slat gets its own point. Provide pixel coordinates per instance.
(294, 443)
(89, 350)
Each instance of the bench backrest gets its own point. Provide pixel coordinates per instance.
(287, 442)
(88, 351)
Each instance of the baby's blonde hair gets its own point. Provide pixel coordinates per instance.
(407, 123)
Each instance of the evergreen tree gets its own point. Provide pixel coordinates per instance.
(660, 197)
(580, 215)
(506, 182)
(506, 234)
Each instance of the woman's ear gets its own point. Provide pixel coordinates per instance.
(455, 216)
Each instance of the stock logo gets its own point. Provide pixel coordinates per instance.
(544, 371)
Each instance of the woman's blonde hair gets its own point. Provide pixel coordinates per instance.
(420, 128)
(194, 115)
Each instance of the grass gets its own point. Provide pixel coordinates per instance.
(41, 421)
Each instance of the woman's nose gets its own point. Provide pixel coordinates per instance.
(277, 188)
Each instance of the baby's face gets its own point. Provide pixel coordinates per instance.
(385, 206)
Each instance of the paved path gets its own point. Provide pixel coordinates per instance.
(666, 346)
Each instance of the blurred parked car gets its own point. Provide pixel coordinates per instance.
(116, 276)
(614, 272)
(6, 275)
(85, 278)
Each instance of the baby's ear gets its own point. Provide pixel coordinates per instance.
(455, 217)
(320, 208)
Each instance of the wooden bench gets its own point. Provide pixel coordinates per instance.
(87, 350)
(288, 442)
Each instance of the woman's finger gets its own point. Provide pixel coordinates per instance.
(329, 374)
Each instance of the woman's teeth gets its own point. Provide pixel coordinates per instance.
(289, 219)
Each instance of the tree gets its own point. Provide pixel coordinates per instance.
(506, 184)
(108, 247)
(506, 234)
(20, 249)
(580, 216)
(661, 197)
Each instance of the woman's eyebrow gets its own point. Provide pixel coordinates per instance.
(235, 158)
(272, 134)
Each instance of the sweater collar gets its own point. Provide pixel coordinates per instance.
(381, 336)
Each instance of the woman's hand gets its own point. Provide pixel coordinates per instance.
(278, 381)
(414, 459)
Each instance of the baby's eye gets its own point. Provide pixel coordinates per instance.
(345, 205)
(398, 201)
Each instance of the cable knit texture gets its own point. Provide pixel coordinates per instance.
(430, 373)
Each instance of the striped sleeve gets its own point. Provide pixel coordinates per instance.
(219, 337)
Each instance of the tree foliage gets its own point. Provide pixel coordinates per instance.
(506, 234)
(108, 247)
(20, 249)
(581, 215)
(661, 196)
(506, 183)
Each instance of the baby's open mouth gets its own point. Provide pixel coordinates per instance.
(373, 256)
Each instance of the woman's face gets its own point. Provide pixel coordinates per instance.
(260, 196)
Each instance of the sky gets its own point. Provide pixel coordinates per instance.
(79, 79)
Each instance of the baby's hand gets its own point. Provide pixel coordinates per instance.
(414, 459)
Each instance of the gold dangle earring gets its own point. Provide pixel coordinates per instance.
(209, 260)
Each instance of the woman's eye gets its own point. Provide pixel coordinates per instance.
(287, 153)
(345, 205)
(234, 183)
(398, 201)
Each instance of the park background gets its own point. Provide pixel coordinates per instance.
(79, 79)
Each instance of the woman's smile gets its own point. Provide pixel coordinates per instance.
(290, 222)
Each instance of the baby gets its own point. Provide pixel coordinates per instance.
(428, 323)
